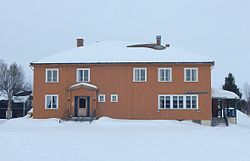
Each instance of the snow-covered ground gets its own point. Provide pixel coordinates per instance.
(107, 139)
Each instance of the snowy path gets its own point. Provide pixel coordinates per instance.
(119, 140)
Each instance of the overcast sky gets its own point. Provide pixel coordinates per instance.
(30, 30)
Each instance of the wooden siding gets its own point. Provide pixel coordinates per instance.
(137, 100)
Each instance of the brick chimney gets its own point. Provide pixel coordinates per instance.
(158, 39)
(79, 42)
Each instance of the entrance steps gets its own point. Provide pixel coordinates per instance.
(216, 121)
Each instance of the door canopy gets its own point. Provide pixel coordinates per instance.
(82, 85)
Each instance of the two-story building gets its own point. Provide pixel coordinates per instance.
(124, 80)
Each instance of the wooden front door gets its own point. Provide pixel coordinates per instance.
(82, 106)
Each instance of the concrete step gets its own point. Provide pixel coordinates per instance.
(218, 121)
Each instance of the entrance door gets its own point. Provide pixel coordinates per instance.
(82, 106)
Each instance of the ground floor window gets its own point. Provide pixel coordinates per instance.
(114, 97)
(177, 101)
(101, 98)
(51, 101)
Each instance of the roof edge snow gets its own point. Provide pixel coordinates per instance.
(223, 94)
(117, 62)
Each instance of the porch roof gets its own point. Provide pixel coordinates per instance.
(223, 94)
(82, 85)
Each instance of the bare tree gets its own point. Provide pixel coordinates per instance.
(11, 82)
(247, 97)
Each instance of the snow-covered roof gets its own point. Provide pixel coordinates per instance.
(118, 52)
(223, 94)
(83, 84)
(20, 99)
(16, 99)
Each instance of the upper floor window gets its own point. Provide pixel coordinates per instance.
(139, 74)
(51, 101)
(52, 75)
(191, 74)
(164, 74)
(83, 75)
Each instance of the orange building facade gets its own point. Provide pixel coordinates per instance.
(123, 90)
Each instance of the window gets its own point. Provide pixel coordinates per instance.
(188, 101)
(164, 74)
(52, 75)
(181, 103)
(51, 101)
(114, 98)
(164, 102)
(178, 102)
(191, 74)
(175, 101)
(194, 101)
(167, 102)
(83, 75)
(101, 98)
(139, 74)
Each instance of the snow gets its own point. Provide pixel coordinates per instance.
(107, 139)
(3, 95)
(83, 84)
(20, 99)
(118, 52)
(16, 99)
(223, 94)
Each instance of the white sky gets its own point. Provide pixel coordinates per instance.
(30, 30)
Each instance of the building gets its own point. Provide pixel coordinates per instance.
(22, 103)
(222, 109)
(124, 80)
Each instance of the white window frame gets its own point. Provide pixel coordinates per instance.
(134, 69)
(184, 102)
(83, 69)
(113, 95)
(57, 75)
(191, 75)
(57, 101)
(99, 98)
(159, 75)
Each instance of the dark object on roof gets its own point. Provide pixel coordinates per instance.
(156, 46)
(151, 46)
(23, 93)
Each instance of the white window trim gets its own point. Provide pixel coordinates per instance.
(184, 102)
(197, 75)
(116, 95)
(99, 96)
(52, 96)
(88, 69)
(46, 77)
(139, 69)
(159, 76)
